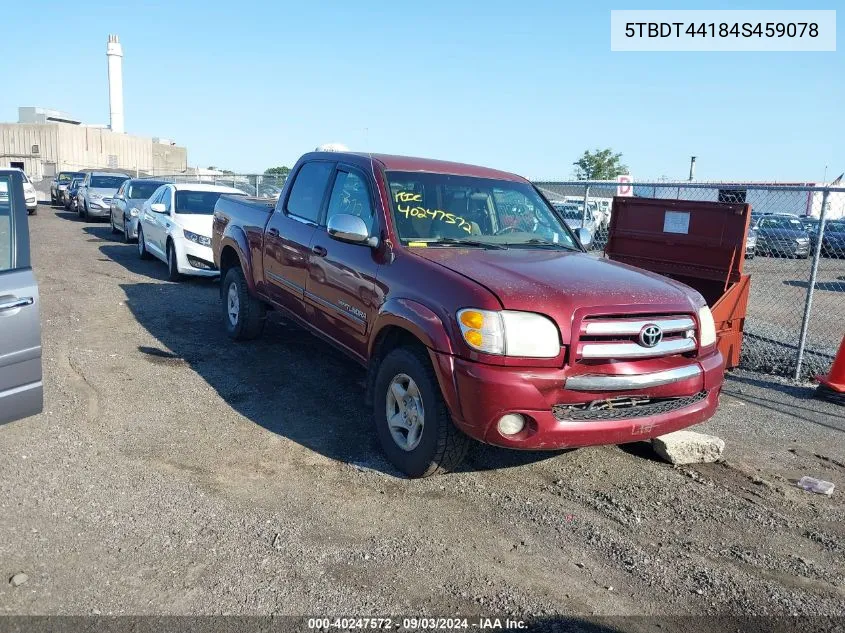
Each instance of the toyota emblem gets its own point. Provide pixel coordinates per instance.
(650, 335)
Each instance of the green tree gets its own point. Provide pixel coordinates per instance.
(277, 171)
(602, 164)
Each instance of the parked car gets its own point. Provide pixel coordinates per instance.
(833, 241)
(30, 195)
(21, 390)
(175, 226)
(93, 198)
(751, 243)
(489, 325)
(782, 235)
(573, 215)
(60, 183)
(126, 205)
(69, 194)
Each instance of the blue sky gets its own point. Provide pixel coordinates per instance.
(522, 86)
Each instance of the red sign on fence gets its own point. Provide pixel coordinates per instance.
(624, 186)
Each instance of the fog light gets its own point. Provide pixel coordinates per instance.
(511, 424)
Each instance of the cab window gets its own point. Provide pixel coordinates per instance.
(350, 195)
(306, 196)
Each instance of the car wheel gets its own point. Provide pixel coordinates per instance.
(33, 211)
(126, 239)
(173, 273)
(85, 215)
(143, 253)
(52, 199)
(413, 424)
(111, 221)
(243, 315)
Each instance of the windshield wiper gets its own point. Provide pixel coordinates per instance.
(451, 241)
(535, 242)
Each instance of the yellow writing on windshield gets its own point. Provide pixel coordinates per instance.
(421, 212)
(435, 214)
(408, 196)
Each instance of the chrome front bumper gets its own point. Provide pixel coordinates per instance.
(616, 382)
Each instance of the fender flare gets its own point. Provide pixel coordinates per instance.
(235, 238)
(416, 318)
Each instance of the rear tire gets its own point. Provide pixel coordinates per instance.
(173, 273)
(441, 446)
(243, 315)
(143, 253)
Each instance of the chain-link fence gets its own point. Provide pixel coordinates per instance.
(795, 256)
(260, 185)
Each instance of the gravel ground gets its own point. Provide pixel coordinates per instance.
(174, 472)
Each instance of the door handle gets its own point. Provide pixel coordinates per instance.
(274, 232)
(16, 303)
(319, 251)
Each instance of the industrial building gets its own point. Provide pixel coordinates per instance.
(44, 141)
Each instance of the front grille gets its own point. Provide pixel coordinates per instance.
(623, 408)
(618, 337)
(107, 200)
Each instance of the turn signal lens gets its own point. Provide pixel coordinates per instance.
(472, 319)
(474, 338)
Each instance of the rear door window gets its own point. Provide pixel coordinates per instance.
(309, 188)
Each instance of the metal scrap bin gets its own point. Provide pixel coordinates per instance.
(701, 244)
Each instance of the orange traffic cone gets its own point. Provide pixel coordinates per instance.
(832, 386)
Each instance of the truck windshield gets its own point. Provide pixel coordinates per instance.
(446, 209)
(198, 202)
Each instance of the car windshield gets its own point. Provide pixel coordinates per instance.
(835, 227)
(446, 209)
(776, 222)
(106, 182)
(67, 176)
(143, 190)
(198, 202)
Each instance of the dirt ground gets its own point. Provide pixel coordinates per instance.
(174, 472)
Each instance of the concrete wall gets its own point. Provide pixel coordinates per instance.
(70, 147)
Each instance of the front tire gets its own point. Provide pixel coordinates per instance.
(173, 273)
(126, 239)
(412, 422)
(243, 315)
(143, 253)
(113, 227)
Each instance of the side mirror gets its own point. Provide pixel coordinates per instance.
(158, 207)
(585, 237)
(350, 228)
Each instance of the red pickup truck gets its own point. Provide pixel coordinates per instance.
(475, 309)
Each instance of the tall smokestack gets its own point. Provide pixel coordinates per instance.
(114, 53)
(692, 168)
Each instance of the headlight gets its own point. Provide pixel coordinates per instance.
(202, 240)
(133, 212)
(509, 333)
(707, 335)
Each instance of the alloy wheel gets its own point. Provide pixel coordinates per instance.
(405, 412)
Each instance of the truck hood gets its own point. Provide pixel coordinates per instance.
(558, 283)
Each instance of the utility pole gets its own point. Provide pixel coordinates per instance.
(691, 168)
